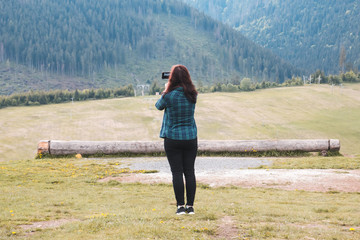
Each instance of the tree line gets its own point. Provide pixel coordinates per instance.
(348, 77)
(33, 98)
(234, 85)
(246, 84)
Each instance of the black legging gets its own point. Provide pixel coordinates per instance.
(181, 155)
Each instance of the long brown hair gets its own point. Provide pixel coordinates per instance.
(180, 77)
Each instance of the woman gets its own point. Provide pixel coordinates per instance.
(180, 134)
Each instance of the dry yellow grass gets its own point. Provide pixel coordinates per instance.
(297, 112)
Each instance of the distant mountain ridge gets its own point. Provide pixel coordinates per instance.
(310, 34)
(47, 44)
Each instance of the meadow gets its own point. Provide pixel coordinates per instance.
(280, 113)
(64, 199)
(38, 194)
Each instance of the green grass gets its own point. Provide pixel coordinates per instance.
(313, 162)
(52, 190)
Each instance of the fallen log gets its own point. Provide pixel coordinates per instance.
(56, 147)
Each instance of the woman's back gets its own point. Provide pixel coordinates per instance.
(178, 122)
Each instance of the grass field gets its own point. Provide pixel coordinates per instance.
(63, 199)
(281, 113)
(36, 194)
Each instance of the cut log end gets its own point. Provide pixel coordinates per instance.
(43, 147)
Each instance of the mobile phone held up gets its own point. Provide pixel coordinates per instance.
(165, 75)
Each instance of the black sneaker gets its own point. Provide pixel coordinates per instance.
(181, 210)
(190, 210)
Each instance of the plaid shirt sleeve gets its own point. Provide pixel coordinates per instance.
(161, 103)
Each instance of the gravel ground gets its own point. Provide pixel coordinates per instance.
(220, 171)
(201, 164)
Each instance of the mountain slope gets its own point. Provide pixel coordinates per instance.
(111, 43)
(309, 34)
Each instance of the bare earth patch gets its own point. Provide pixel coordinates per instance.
(227, 229)
(316, 180)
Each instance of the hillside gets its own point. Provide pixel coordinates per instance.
(309, 34)
(313, 111)
(87, 43)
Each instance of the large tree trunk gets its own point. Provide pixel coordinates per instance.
(55, 147)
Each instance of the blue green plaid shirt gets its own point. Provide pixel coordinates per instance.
(178, 121)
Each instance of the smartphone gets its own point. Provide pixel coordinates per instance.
(165, 75)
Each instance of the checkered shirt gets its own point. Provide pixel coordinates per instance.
(178, 121)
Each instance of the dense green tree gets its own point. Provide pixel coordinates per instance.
(154, 88)
(245, 84)
(335, 79)
(350, 77)
(310, 34)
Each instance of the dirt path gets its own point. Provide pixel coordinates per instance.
(317, 180)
